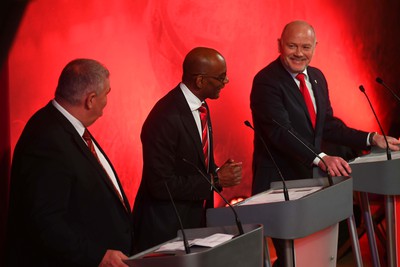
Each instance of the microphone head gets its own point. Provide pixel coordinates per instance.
(361, 88)
(379, 80)
(248, 124)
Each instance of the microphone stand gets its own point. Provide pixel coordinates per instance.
(380, 81)
(388, 153)
(185, 241)
(328, 173)
(238, 222)
(285, 190)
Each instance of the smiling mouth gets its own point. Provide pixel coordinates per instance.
(298, 59)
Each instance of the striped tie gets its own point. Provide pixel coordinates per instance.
(204, 136)
(89, 142)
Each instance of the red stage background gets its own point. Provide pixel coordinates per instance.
(143, 44)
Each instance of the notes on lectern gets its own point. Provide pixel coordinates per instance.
(276, 195)
(375, 156)
(210, 241)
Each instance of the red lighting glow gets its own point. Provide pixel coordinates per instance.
(143, 43)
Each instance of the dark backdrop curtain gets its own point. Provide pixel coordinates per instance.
(377, 25)
(5, 151)
(11, 12)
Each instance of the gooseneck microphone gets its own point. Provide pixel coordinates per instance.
(388, 152)
(185, 241)
(380, 81)
(328, 172)
(238, 222)
(285, 190)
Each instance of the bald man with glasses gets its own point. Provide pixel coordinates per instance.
(177, 143)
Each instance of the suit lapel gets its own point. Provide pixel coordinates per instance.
(295, 91)
(80, 143)
(290, 84)
(108, 180)
(189, 123)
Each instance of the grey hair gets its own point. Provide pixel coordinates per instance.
(79, 77)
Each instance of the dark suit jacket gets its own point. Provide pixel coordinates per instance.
(275, 96)
(63, 210)
(170, 134)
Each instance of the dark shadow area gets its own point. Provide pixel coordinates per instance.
(375, 27)
(11, 13)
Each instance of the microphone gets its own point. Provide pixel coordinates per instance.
(285, 190)
(185, 241)
(388, 153)
(380, 81)
(328, 173)
(238, 222)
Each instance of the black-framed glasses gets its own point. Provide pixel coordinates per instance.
(221, 79)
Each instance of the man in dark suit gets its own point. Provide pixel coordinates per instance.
(171, 135)
(67, 206)
(276, 96)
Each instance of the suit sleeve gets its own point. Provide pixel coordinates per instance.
(49, 192)
(335, 130)
(165, 142)
(271, 100)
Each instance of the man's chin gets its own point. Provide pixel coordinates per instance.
(298, 66)
(298, 69)
(215, 96)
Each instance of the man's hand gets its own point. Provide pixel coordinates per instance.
(379, 141)
(336, 165)
(113, 258)
(230, 173)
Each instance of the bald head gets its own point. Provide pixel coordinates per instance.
(296, 27)
(199, 61)
(204, 72)
(297, 46)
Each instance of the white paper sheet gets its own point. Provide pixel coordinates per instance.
(375, 157)
(277, 195)
(210, 241)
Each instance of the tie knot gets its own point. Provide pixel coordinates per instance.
(86, 135)
(202, 109)
(300, 77)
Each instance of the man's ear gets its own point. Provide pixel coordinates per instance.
(279, 46)
(89, 100)
(199, 81)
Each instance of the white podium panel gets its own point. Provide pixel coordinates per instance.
(318, 249)
(241, 250)
(315, 207)
(374, 173)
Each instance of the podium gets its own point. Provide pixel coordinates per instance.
(244, 250)
(373, 173)
(295, 219)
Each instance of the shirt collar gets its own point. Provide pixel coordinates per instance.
(295, 74)
(193, 101)
(74, 121)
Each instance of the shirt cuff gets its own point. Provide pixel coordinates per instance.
(318, 159)
(370, 138)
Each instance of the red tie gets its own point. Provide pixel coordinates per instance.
(89, 142)
(204, 136)
(307, 98)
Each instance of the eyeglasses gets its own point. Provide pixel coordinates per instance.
(221, 79)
